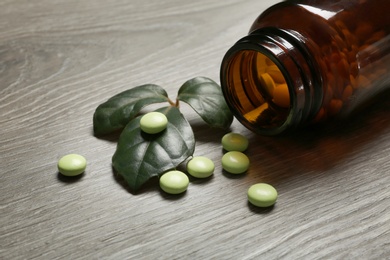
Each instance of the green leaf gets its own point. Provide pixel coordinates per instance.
(116, 112)
(140, 156)
(206, 98)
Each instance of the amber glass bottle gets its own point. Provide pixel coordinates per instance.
(306, 61)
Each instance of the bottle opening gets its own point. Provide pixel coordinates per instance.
(258, 90)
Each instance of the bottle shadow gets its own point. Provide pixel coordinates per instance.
(321, 147)
(205, 133)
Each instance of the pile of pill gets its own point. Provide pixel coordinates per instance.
(275, 94)
(176, 182)
(338, 59)
(273, 82)
(350, 63)
(235, 161)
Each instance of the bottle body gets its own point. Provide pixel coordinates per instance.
(306, 61)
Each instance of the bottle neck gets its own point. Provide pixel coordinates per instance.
(270, 81)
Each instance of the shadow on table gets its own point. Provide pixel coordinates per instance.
(313, 149)
(151, 186)
(319, 148)
(260, 210)
(69, 179)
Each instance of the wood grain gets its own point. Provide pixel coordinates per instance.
(60, 59)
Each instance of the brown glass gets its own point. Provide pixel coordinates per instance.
(334, 56)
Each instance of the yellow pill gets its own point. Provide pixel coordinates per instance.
(282, 96)
(261, 66)
(347, 93)
(254, 114)
(276, 74)
(335, 106)
(268, 61)
(267, 82)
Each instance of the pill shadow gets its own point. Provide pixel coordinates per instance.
(172, 197)
(69, 179)
(319, 148)
(200, 181)
(260, 210)
(235, 176)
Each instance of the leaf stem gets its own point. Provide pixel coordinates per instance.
(172, 103)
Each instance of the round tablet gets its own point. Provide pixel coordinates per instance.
(234, 142)
(235, 162)
(262, 195)
(174, 182)
(281, 96)
(200, 167)
(153, 122)
(72, 165)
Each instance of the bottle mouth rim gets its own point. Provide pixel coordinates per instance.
(288, 51)
(255, 106)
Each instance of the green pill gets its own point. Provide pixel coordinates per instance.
(174, 182)
(200, 167)
(262, 195)
(72, 165)
(153, 122)
(234, 142)
(235, 162)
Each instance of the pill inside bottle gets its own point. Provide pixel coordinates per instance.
(261, 89)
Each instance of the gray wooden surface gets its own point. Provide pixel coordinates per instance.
(60, 59)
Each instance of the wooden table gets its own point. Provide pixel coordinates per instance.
(60, 59)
